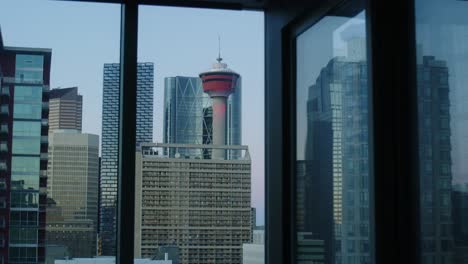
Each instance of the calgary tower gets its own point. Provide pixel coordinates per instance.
(219, 82)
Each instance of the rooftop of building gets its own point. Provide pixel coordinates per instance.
(108, 260)
(160, 150)
(65, 93)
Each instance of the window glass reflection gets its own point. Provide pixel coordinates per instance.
(442, 60)
(332, 168)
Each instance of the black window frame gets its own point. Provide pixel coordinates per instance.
(393, 120)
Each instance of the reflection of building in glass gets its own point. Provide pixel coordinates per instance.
(24, 113)
(188, 113)
(334, 178)
(435, 161)
(309, 249)
(65, 109)
(109, 147)
(200, 205)
(72, 183)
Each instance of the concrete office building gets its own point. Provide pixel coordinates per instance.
(72, 183)
(188, 113)
(65, 109)
(109, 260)
(200, 205)
(109, 143)
(24, 83)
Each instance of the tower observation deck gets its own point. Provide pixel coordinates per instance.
(219, 82)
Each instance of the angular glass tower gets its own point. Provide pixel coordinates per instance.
(188, 114)
(109, 147)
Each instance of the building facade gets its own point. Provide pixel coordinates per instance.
(188, 113)
(200, 205)
(65, 109)
(109, 143)
(25, 76)
(437, 241)
(72, 183)
(333, 181)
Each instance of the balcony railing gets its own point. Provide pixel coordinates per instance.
(15, 80)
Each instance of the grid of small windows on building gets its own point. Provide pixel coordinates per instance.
(109, 143)
(200, 205)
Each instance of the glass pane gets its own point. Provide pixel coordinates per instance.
(197, 203)
(332, 143)
(442, 62)
(52, 68)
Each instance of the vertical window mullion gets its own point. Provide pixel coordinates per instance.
(127, 133)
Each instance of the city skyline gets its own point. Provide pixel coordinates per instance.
(79, 53)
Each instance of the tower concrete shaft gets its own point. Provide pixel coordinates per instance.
(219, 125)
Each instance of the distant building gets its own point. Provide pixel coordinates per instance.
(72, 184)
(109, 143)
(437, 223)
(200, 205)
(253, 221)
(65, 109)
(24, 90)
(54, 252)
(188, 113)
(77, 236)
(168, 252)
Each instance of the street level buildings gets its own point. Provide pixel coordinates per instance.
(109, 143)
(200, 205)
(24, 83)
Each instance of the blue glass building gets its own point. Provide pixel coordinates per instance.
(109, 147)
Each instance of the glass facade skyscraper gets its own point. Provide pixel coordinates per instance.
(188, 113)
(23, 156)
(109, 147)
(333, 181)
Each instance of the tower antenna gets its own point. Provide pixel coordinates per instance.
(219, 59)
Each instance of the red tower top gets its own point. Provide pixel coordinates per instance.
(220, 80)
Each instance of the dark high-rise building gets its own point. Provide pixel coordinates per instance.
(460, 220)
(109, 147)
(435, 161)
(188, 113)
(65, 109)
(25, 75)
(333, 180)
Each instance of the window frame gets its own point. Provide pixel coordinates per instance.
(393, 121)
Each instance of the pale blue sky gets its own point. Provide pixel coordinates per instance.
(180, 41)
